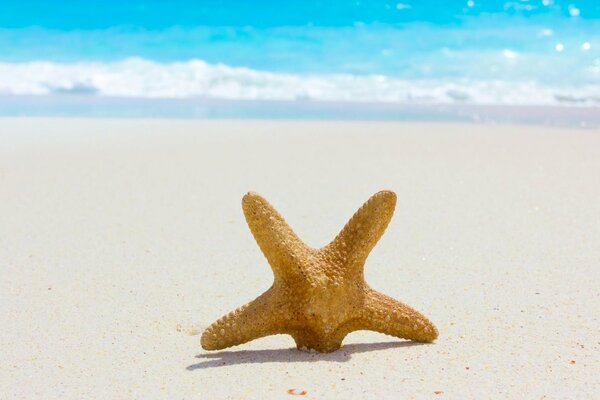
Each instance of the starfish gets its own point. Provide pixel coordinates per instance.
(318, 295)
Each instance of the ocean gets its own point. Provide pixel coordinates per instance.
(455, 53)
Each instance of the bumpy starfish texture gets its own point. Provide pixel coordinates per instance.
(318, 295)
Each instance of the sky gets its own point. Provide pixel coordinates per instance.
(153, 15)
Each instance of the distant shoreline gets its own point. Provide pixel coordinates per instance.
(74, 105)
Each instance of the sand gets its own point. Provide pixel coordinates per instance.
(120, 240)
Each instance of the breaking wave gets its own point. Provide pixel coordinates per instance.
(140, 78)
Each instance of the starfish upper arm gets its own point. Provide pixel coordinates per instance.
(278, 242)
(356, 240)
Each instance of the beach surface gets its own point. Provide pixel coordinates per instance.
(121, 240)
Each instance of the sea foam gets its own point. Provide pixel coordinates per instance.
(140, 78)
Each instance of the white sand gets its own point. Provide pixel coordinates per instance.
(120, 240)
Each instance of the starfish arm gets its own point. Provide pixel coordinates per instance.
(278, 242)
(262, 316)
(383, 314)
(356, 240)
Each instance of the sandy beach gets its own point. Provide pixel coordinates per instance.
(121, 240)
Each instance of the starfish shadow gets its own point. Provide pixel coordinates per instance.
(290, 355)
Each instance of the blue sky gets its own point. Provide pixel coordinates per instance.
(156, 15)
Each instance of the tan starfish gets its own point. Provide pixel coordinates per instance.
(318, 295)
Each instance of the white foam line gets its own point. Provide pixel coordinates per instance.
(135, 77)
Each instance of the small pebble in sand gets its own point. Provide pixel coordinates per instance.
(296, 392)
(438, 392)
(572, 362)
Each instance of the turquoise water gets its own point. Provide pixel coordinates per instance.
(428, 52)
